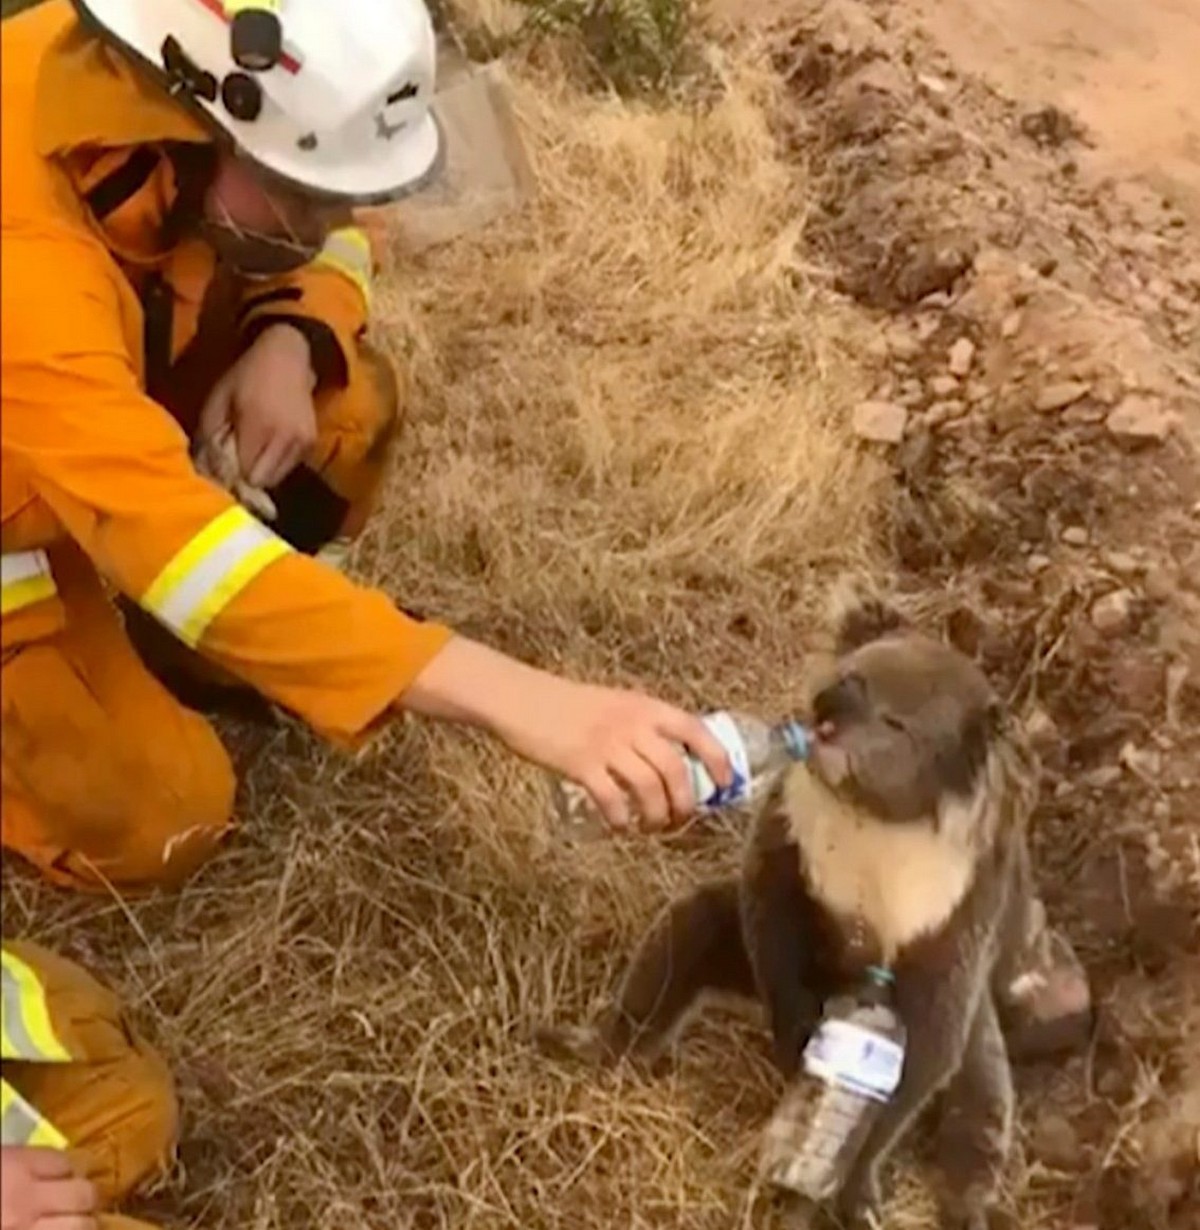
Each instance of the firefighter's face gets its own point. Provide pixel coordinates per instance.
(262, 228)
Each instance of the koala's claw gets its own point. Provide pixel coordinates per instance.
(216, 458)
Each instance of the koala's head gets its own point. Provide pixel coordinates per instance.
(903, 723)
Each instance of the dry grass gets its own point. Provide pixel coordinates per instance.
(627, 456)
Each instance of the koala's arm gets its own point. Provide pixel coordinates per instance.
(695, 945)
(941, 988)
(777, 917)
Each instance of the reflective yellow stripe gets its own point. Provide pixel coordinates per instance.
(207, 574)
(20, 1124)
(25, 578)
(234, 7)
(349, 252)
(25, 1028)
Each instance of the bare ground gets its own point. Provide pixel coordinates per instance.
(631, 454)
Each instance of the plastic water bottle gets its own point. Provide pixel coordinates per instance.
(857, 1055)
(758, 752)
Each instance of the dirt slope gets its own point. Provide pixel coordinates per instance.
(1128, 71)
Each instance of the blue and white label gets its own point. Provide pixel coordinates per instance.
(856, 1058)
(724, 730)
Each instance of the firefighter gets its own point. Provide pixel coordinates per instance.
(87, 1109)
(181, 266)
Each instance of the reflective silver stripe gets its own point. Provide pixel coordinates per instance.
(210, 571)
(17, 1042)
(20, 1124)
(25, 578)
(21, 565)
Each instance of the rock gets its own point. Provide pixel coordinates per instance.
(1056, 1142)
(1041, 729)
(1061, 394)
(934, 85)
(943, 386)
(1038, 563)
(1177, 677)
(1140, 418)
(1103, 777)
(1121, 563)
(1010, 326)
(1075, 536)
(1113, 614)
(902, 343)
(943, 411)
(961, 355)
(1143, 762)
(882, 422)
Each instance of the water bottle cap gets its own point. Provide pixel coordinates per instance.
(796, 740)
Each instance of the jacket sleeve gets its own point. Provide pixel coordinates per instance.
(328, 300)
(114, 468)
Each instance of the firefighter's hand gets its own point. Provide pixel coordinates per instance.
(41, 1191)
(267, 397)
(612, 742)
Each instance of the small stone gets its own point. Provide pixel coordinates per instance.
(1140, 418)
(1075, 536)
(1177, 677)
(1056, 1142)
(943, 386)
(1161, 810)
(902, 343)
(1113, 613)
(1103, 777)
(1143, 762)
(1159, 583)
(935, 85)
(1038, 563)
(944, 411)
(962, 353)
(882, 422)
(1121, 563)
(1061, 394)
(1041, 729)
(1010, 326)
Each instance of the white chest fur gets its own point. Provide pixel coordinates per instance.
(902, 880)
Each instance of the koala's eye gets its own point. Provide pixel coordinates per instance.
(894, 722)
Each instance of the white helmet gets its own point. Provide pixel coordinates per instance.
(331, 95)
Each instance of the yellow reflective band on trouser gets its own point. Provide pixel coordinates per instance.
(349, 252)
(25, 1028)
(25, 579)
(210, 571)
(20, 1124)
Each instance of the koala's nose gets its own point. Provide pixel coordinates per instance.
(842, 702)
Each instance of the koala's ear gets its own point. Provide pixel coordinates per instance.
(858, 617)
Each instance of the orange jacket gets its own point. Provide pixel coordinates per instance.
(86, 454)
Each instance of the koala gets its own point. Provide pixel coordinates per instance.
(900, 842)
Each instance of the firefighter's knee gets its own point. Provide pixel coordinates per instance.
(146, 809)
(182, 814)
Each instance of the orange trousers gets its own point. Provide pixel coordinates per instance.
(116, 1103)
(108, 780)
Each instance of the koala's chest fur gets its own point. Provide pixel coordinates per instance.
(900, 881)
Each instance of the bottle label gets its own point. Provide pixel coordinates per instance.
(850, 1055)
(725, 731)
